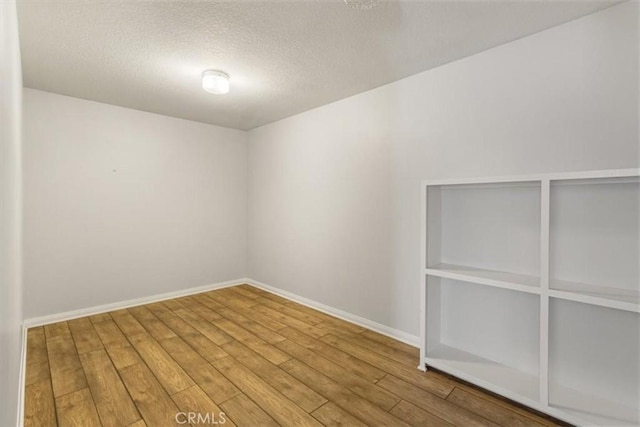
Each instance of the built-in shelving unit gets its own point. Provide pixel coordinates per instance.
(531, 289)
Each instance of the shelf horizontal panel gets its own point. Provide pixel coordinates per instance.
(499, 279)
(592, 409)
(598, 181)
(562, 176)
(494, 376)
(623, 299)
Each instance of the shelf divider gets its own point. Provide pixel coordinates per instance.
(545, 221)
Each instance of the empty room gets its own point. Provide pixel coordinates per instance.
(319, 213)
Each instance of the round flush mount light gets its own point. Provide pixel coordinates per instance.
(214, 81)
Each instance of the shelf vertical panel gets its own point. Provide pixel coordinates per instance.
(545, 198)
(423, 279)
(433, 225)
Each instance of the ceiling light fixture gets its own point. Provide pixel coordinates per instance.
(214, 81)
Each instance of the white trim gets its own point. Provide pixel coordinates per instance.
(352, 318)
(360, 321)
(68, 315)
(22, 382)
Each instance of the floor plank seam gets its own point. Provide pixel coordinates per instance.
(140, 360)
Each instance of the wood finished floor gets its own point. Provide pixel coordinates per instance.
(260, 359)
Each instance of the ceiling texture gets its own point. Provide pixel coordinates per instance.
(284, 57)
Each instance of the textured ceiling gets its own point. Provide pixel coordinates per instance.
(284, 57)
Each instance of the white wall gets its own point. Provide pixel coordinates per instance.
(121, 204)
(10, 214)
(334, 192)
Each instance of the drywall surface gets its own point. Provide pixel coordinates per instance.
(10, 215)
(334, 193)
(121, 204)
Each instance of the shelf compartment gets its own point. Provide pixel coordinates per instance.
(486, 335)
(594, 240)
(499, 279)
(485, 373)
(587, 408)
(594, 363)
(490, 227)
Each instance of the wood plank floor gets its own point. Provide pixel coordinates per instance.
(246, 357)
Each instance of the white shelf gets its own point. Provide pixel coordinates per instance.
(601, 412)
(486, 373)
(605, 296)
(498, 279)
(531, 289)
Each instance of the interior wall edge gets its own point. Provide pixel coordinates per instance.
(11, 279)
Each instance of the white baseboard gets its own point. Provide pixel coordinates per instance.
(69, 315)
(396, 334)
(349, 317)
